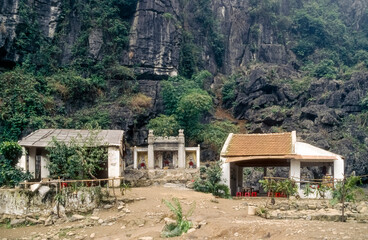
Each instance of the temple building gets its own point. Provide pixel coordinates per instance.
(166, 153)
(35, 155)
(274, 150)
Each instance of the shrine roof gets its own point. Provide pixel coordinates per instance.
(260, 145)
(42, 137)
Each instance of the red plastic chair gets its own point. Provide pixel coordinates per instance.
(254, 194)
(246, 194)
(238, 194)
(277, 194)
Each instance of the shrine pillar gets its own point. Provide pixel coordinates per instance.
(151, 155)
(181, 149)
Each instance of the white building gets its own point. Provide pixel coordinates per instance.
(166, 153)
(274, 150)
(34, 158)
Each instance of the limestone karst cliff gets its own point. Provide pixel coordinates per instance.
(289, 65)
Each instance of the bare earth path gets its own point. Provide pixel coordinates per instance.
(226, 219)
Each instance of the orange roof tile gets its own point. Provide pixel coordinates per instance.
(260, 144)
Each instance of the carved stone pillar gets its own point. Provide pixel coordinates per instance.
(181, 149)
(151, 155)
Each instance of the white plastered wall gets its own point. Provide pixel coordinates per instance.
(295, 171)
(114, 164)
(32, 160)
(22, 163)
(198, 156)
(339, 169)
(135, 158)
(45, 173)
(225, 178)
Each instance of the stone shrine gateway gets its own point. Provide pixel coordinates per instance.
(166, 153)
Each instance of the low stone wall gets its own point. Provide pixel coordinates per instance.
(145, 178)
(309, 209)
(20, 202)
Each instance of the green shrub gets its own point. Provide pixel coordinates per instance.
(287, 187)
(164, 125)
(325, 69)
(211, 184)
(270, 186)
(346, 190)
(182, 224)
(190, 109)
(308, 190)
(215, 133)
(203, 79)
(21, 103)
(11, 151)
(72, 87)
(185, 99)
(10, 174)
(189, 56)
(229, 92)
(168, 16)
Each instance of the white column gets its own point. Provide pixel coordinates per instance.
(175, 159)
(22, 162)
(181, 150)
(295, 170)
(135, 158)
(113, 165)
(160, 159)
(199, 156)
(45, 173)
(32, 160)
(339, 169)
(293, 141)
(151, 155)
(329, 169)
(225, 178)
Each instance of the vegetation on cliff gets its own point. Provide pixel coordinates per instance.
(62, 81)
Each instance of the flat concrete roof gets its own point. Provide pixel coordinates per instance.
(42, 137)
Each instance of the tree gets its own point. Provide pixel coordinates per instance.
(215, 134)
(11, 151)
(81, 158)
(191, 108)
(270, 186)
(10, 175)
(21, 104)
(346, 190)
(288, 187)
(164, 125)
(211, 183)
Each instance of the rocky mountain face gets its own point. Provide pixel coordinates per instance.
(230, 37)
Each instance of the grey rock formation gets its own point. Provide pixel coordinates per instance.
(9, 20)
(48, 13)
(154, 39)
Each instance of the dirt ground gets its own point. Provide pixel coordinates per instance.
(222, 219)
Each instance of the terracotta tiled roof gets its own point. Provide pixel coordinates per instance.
(260, 144)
